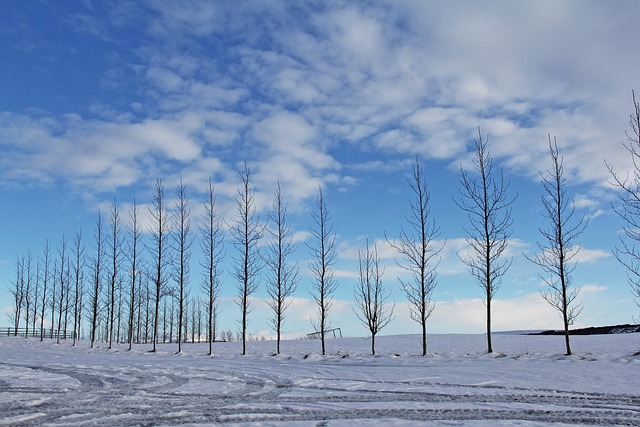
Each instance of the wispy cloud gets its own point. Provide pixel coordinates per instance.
(590, 289)
(591, 255)
(348, 73)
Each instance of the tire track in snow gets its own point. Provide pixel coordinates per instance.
(152, 395)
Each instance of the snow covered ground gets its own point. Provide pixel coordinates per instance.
(526, 382)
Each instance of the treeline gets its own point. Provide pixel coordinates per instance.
(125, 290)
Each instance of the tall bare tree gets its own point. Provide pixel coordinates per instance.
(26, 285)
(185, 334)
(28, 290)
(199, 320)
(628, 252)
(135, 235)
(147, 299)
(183, 242)
(159, 229)
(214, 325)
(63, 283)
(45, 281)
(120, 305)
(53, 297)
(36, 298)
(246, 231)
(484, 198)
(371, 298)
(282, 277)
(211, 242)
(96, 279)
(81, 306)
(323, 258)
(17, 292)
(558, 248)
(78, 254)
(141, 304)
(419, 252)
(67, 299)
(195, 318)
(115, 246)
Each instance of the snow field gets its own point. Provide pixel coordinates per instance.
(526, 382)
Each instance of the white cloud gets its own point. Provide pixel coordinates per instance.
(292, 155)
(200, 18)
(345, 274)
(583, 201)
(165, 80)
(590, 289)
(105, 156)
(352, 73)
(529, 312)
(591, 255)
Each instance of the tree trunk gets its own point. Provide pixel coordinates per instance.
(373, 344)
(424, 338)
(489, 344)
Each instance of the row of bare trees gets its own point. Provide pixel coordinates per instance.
(149, 284)
(154, 290)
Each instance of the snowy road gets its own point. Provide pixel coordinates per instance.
(60, 385)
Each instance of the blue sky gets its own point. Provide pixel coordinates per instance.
(98, 99)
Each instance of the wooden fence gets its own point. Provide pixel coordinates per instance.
(11, 331)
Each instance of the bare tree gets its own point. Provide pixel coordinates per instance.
(183, 242)
(484, 198)
(78, 253)
(159, 230)
(185, 324)
(171, 316)
(106, 305)
(166, 318)
(80, 307)
(214, 325)
(323, 258)
(17, 292)
(36, 299)
(371, 297)
(119, 311)
(96, 273)
(115, 247)
(558, 248)
(140, 303)
(147, 314)
(282, 278)
(28, 298)
(140, 306)
(627, 252)
(246, 232)
(420, 252)
(45, 281)
(52, 298)
(199, 319)
(211, 241)
(67, 301)
(64, 281)
(195, 313)
(135, 234)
